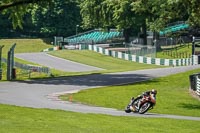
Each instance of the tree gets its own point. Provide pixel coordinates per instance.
(58, 19)
(109, 14)
(168, 11)
(122, 14)
(17, 9)
(55, 18)
(142, 8)
(6, 26)
(91, 13)
(123, 17)
(5, 4)
(163, 12)
(187, 10)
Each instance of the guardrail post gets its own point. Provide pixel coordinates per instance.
(8, 67)
(1, 47)
(10, 64)
(193, 45)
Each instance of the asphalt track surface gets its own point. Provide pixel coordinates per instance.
(55, 62)
(44, 93)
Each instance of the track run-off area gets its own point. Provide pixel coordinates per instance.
(44, 93)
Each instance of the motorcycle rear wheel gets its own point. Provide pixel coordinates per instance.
(144, 108)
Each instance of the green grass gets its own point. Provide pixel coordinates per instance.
(87, 57)
(27, 120)
(175, 51)
(108, 63)
(173, 95)
(24, 45)
(173, 98)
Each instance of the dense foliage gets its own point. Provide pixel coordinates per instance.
(60, 17)
(55, 18)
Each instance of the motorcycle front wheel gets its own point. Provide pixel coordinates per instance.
(144, 108)
(127, 109)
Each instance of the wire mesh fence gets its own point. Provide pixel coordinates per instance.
(142, 50)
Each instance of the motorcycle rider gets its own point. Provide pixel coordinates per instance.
(147, 93)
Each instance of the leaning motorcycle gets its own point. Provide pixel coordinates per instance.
(141, 104)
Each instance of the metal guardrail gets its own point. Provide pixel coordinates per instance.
(195, 39)
(195, 83)
(198, 86)
(32, 68)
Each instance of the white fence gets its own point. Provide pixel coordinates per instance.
(142, 59)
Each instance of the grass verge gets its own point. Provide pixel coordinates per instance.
(24, 45)
(108, 63)
(173, 95)
(27, 120)
(175, 51)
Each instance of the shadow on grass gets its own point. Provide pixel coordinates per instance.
(190, 106)
(47, 40)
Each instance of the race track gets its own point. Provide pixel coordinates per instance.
(43, 93)
(55, 62)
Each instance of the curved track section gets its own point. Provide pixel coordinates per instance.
(55, 62)
(43, 93)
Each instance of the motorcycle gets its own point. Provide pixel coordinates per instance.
(141, 104)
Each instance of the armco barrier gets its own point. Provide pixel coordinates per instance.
(142, 59)
(195, 83)
(33, 68)
(198, 86)
(51, 49)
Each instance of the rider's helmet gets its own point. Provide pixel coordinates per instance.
(154, 91)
